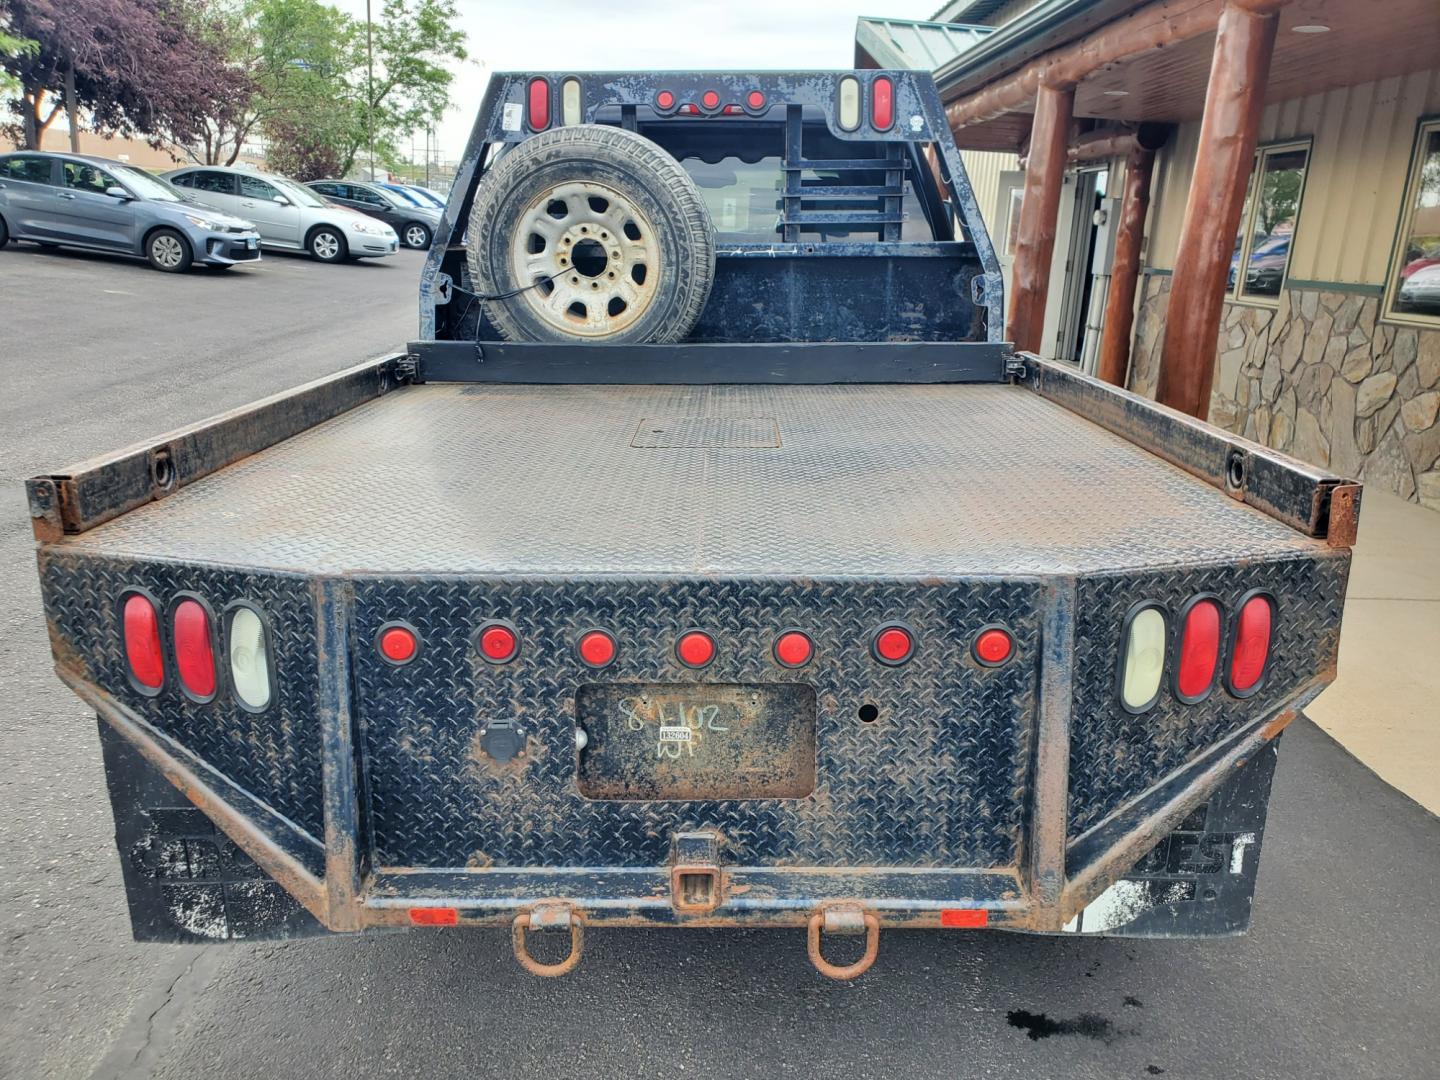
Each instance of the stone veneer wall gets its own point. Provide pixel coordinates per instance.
(1319, 377)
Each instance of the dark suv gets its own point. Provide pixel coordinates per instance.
(415, 225)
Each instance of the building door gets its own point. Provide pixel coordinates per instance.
(1007, 219)
(1080, 287)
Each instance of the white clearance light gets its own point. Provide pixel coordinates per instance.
(570, 102)
(249, 661)
(849, 103)
(1144, 663)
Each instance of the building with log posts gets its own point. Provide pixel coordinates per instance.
(1230, 205)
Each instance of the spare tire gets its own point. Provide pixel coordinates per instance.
(590, 233)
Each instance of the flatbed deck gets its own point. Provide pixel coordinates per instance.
(799, 481)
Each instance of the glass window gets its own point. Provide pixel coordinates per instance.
(147, 185)
(82, 176)
(745, 199)
(1414, 288)
(252, 187)
(32, 170)
(333, 190)
(218, 183)
(1272, 207)
(1277, 206)
(299, 194)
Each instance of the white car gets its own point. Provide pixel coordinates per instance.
(289, 215)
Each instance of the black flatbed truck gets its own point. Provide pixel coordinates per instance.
(768, 626)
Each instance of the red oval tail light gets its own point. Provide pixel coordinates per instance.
(539, 100)
(194, 648)
(1251, 648)
(141, 626)
(1199, 651)
(882, 104)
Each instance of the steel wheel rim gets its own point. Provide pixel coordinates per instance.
(599, 253)
(167, 251)
(415, 236)
(327, 246)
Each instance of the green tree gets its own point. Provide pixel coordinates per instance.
(413, 42)
(295, 55)
(12, 48)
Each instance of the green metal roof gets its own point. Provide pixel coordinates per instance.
(920, 46)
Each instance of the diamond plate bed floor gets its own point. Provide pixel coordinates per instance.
(896, 480)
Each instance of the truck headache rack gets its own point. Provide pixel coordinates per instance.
(835, 284)
(760, 630)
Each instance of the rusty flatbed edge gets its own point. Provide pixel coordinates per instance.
(895, 480)
(1313, 500)
(87, 493)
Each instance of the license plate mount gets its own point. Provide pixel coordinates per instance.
(655, 741)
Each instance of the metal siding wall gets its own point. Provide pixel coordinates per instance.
(1362, 139)
(984, 168)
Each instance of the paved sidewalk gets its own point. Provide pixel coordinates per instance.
(1385, 706)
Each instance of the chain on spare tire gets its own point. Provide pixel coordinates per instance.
(590, 234)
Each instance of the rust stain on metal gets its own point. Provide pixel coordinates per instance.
(1344, 516)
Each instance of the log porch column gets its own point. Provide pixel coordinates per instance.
(1125, 270)
(1244, 42)
(1039, 206)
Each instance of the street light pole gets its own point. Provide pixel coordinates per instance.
(370, 88)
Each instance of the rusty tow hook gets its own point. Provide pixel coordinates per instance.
(548, 917)
(843, 919)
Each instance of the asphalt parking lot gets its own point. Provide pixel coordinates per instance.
(1339, 978)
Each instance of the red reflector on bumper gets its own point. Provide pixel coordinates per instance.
(434, 916)
(966, 918)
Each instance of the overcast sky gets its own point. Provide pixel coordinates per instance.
(595, 35)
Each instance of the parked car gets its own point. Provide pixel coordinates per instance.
(426, 196)
(405, 193)
(288, 214)
(418, 195)
(73, 200)
(1266, 270)
(1420, 291)
(415, 224)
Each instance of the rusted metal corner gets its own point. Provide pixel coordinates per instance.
(1344, 515)
(46, 521)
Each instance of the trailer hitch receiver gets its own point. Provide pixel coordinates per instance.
(697, 885)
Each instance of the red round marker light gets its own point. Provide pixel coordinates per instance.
(994, 646)
(499, 643)
(794, 649)
(695, 649)
(597, 648)
(398, 644)
(665, 99)
(710, 99)
(893, 645)
(756, 100)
